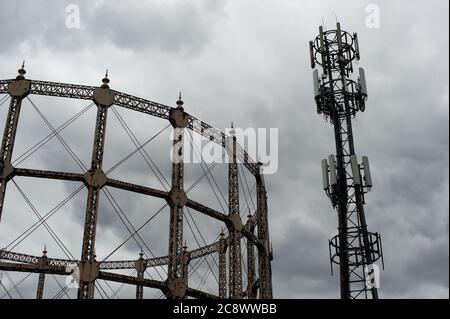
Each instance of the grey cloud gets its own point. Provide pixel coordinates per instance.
(175, 27)
(251, 65)
(169, 27)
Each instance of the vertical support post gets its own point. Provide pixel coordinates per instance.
(365, 235)
(18, 89)
(176, 211)
(359, 204)
(140, 269)
(40, 288)
(342, 197)
(264, 254)
(94, 180)
(235, 226)
(222, 251)
(185, 269)
(341, 184)
(250, 261)
(41, 280)
(177, 200)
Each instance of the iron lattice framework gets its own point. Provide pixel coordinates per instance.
(176, 285)
(339, 98)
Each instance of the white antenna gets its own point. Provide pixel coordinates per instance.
(333, 176)
(311, 53)
(367, 175)
(355, 36)
(316, 84)
(339, 36)
(321, 40)
(325, 177)
(355, 170)
(362, 81)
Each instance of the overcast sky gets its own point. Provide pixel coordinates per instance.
(247, 62)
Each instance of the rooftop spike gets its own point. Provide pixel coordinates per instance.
(22, 72)
(180, 101)
(105, 80)
(232, 131)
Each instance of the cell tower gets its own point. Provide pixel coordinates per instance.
(345, 181)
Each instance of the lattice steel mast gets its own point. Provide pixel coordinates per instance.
(345, 182)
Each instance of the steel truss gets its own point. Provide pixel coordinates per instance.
(339, 98)
(95, 179)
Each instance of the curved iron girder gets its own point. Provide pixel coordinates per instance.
(27, 172)
(203, 251)
(131, 102)
(137, 189)
(61, 270)
(112, 264)
(18, 257)
(151, 284)
(44, 269)
(132, 280)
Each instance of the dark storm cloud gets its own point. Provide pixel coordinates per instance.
(303, 249)
(254, 70)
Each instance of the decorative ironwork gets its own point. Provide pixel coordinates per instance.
(95, 179)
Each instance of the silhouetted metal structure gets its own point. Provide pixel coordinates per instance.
(96, 180)
(345, 182)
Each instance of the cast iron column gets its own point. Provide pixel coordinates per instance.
(264, 254)
(18, 89)
(94, 180)
(235, 225)
(176, 282)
